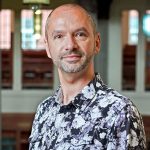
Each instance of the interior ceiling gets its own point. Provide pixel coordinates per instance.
(101, 7)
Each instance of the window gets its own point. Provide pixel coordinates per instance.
(28, 41)
(133, 27)
(130, 29)
(37, 67)
(6, 33)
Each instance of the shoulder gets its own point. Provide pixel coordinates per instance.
(48, 103)
(118, 110)
(109, 98)
(113, 102)
(43, 107)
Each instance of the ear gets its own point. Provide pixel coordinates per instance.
(47, 48)
(97, 43)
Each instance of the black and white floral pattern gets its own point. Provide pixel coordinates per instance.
(98, 118)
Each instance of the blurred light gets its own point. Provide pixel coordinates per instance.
(36, 1)
(36, 5)
(37, 36)
(37, 23)
(37, 12)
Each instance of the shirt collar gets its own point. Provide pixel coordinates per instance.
(82, 99)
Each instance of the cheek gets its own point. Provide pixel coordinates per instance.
(54, 49)
(54, 54)
(87, 47)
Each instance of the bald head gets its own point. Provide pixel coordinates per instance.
(64, 9)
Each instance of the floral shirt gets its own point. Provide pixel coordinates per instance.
(98, 118)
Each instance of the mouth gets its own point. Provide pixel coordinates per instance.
(72, 58)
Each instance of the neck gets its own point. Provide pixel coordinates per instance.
(73, 83)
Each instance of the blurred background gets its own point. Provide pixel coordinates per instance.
(28, 76)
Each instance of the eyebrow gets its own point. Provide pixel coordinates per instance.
(56, 32)
(82, 29)
(77, 30)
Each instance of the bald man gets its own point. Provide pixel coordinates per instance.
(83, 113)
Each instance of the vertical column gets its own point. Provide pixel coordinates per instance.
(115, 53)
(101, 59)
(17, 61)
(140, 59)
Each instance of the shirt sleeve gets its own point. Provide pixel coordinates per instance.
(127, 131)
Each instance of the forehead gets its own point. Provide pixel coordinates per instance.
(69, 9)
(69, 14)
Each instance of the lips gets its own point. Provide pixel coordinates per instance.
(72, 57)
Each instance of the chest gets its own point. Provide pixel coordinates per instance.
(73, 128)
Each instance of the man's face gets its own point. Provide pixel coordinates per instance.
(71, 42)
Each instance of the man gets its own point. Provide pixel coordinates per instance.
(83, 114)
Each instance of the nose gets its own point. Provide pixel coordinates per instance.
(71, 43)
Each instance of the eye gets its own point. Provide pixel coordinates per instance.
(58, 36)
(81, 35)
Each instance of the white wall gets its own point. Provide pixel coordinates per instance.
(22, 101)
(25, 101)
